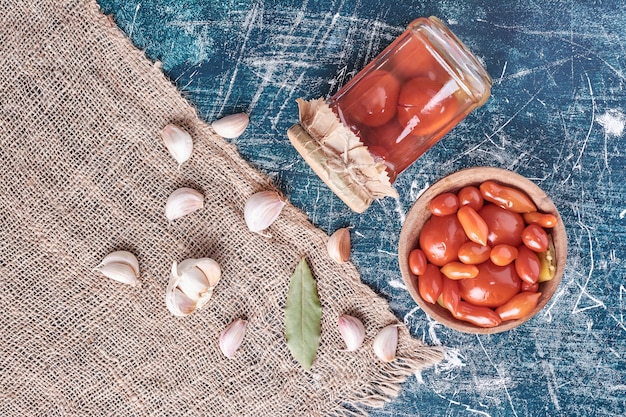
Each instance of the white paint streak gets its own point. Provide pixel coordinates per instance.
(394, 283)
(548, 371)
(577, 164)
(583, 288)
(506, 391)
(622, 214)
(613, 122)
(132, 25)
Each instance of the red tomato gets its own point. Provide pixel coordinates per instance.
(527, 265)
(441, 238)
(412, 59)
(504, 226)
(535, 238)
(507, 197)
(470, 196)
(479, 316)
(450, 295)
(430, 284)
(417, 261)
(503, 255)
(519, 306)
(527, 287)
(546, 220)
(472, 253)
(458, 270)
(474, 226)
(422, 109)
(493, 286)
(372, 100)
(444, 204)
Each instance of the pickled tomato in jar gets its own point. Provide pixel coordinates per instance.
(404, 101)
(412, 94)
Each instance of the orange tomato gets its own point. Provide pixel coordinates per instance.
(479, 316)
(504, 225)
(441, 238)
(545, 220)
(444, 204)
(458, 270)
(528, 287)
(503, 254)
(519, 306)
(507, 197)
(430, 284)
(470, 196)
(417, 261)
(527, 265)
(472, 253)
(535, 238)
(493, 286)
(474, 226)
(450, 295)
(421, 107)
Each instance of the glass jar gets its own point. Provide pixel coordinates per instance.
(403, 102)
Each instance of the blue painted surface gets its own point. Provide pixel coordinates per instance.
(556, 115)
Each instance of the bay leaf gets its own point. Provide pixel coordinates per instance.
(303, 313)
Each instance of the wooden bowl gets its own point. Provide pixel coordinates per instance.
(419, 214)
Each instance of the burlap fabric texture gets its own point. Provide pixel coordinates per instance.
(83, 172)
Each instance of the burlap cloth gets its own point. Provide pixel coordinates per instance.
(83, 172)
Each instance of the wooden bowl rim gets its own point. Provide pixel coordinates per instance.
(419, 213)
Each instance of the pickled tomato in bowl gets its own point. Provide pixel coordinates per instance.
(481, 291)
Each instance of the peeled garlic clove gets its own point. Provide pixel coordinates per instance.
(121, 256)
(182, 202)
(262, 209)
(118, 271)
(232, 336)
(231, 126)
(178, 142)
(338, 245)
(352, 331)
(386, 343)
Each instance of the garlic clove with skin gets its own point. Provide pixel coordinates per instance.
(191, 285)
(178, 142)
(262, 209)
(121, 256)
(232, 336)
(182, 202)
(231, 126)
(386, 343)
(352, 331)
(338, 245)
(118, 271)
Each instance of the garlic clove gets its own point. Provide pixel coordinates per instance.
(124, 257)
(232, 336)
(182, 202)
(118, 271)
(352, 331)
(231, 126)
(178, 303)
(191, 285)
(262, 209)
(338, 245)
(386, 343)
(178, 142)
(211, 270)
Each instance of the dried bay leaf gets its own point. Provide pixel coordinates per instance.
(303, 313)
